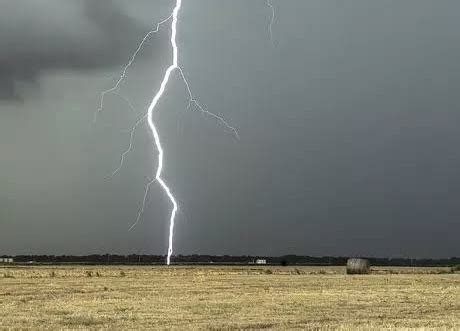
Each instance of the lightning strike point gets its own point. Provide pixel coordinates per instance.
(154, 130)
(149, 116)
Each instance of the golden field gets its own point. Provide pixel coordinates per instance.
(226, 297)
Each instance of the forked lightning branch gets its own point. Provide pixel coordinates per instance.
(174, 66)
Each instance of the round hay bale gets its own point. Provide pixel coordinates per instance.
(357, 266)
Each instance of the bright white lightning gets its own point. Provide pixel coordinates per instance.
(149, 116)
(270, 32)
(193, 100)
(156, 136)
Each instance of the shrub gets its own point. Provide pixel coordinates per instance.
(89, 273)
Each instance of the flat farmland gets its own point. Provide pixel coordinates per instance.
(226, 297)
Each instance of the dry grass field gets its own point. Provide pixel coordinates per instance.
(240, 297)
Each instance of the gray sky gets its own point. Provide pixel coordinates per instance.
(348, 125)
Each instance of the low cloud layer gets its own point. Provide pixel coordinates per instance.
(51, 34)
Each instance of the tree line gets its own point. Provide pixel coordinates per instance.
(228, 259)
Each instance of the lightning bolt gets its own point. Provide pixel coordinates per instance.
(154, 130)
(194, 101)
(130, 147)
(126, 67)
(149, 116)
(144, 200)
(272, 19)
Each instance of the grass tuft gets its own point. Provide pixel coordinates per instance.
(82, 320)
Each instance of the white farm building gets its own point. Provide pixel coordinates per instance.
(6, 260)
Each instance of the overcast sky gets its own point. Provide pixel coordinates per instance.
(348, 123)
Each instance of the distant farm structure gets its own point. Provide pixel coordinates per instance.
(261, 261)
(6, 260)
(357, 266)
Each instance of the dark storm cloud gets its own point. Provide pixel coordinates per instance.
(78, 35)
(349, 128)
